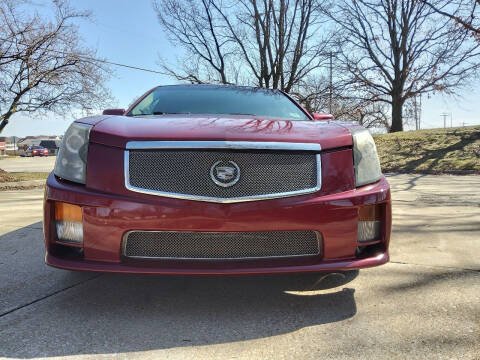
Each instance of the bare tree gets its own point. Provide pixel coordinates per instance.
(321, 92)
(43, 66)
(313, 93)
(463, 12)
(394, 50)
(194, 25)
(275, 43)
(369, 114)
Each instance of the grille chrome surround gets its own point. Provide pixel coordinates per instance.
(179, 245)
(237, 145)
(218, 145)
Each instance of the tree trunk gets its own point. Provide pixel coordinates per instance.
(4, 120)
(3, 123)
(397, 115)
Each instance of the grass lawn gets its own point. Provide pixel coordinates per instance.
(436, 151)
(20, 176)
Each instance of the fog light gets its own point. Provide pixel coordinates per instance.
(369, 223)
(68, 223)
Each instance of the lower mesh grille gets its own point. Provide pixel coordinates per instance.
(220, 245)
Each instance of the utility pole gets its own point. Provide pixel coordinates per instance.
(331, 83)
(444, 115)
(420, 113)
(451, 120)
(416, 112)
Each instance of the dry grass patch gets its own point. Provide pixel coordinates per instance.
(436, 151)
(21, 176)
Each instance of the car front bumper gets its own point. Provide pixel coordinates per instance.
(107, 218)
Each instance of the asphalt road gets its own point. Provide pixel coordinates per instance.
(28, 164)
(424, 304)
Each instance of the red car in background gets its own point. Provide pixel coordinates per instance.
(32, 151)
(207, 179)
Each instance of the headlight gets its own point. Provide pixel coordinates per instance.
(71, 161)
(365, 158)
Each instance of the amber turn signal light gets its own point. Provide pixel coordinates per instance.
(370, 213)
(369, 223)
(67, 212)
(68, 223)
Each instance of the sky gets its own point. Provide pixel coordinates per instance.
(128, 32)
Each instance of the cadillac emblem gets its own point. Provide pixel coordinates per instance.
(225, 173)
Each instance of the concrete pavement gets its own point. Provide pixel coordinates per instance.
(28, 164)
(424, 304)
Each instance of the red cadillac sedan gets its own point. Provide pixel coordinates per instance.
(207, 179)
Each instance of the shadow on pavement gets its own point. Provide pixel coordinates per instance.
(113, 313)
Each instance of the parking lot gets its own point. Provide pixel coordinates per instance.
(424, 304)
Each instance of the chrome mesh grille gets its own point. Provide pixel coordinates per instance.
(188, 172)
(220, 245)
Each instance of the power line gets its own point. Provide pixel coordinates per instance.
(129, 66)
(90, 58)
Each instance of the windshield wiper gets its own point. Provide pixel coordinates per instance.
(241, 114)
(158, 113)
(169, 113)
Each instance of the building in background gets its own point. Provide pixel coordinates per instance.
(33, 140)
(3, 147)
(52, 143)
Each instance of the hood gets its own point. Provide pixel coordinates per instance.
(118, 130)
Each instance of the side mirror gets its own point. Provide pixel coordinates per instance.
(322, 116)
(114, 112)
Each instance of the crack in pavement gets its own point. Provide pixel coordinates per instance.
(435, 266)
(48, 295)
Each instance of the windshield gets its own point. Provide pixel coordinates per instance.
(226, 100)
